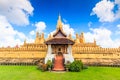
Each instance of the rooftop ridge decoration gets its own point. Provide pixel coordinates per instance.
(59, 27)
(59, 23)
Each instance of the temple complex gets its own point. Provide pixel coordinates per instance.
(62, 45)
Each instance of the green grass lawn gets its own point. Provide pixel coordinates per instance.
(31, 73)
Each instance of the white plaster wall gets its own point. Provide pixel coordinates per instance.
(49, 55)
(69, 57)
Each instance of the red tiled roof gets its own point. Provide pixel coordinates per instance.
(59, 41)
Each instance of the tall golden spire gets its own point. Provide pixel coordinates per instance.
(59, 23)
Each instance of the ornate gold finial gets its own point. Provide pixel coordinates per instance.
(24, 41)
(37, 38)
(77, 36)
(42, 35)
(77, 39)
(81, 38)
(94, 41)
(70, 36)
(37, 34)
(82, 34)
(59, 23)
(41, 40)
(59, 17)
(50, 36)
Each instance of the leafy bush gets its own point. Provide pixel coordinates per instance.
(42, 67)
(49, 64)
(45, 67)
(76, 66)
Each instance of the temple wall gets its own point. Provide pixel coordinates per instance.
(22, 54)
(97, 55)
(89, 55)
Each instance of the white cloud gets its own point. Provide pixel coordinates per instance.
(16, 11)
(30, 40)
(9, 36)
(102, 36)
(40, 26)
(118, 26)
(104, 11)
(67, 29)
(117, 2)
(89, 24)
(32, 32)
(118, 30)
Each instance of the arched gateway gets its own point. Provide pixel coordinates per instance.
(59, 47)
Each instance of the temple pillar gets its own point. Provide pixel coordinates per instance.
(68, 56)
(49, 55)
(49, 49)
(69, 49)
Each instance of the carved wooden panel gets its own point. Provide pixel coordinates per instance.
(59, 48)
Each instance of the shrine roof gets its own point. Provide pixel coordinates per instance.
(61, 32)
(60, 41)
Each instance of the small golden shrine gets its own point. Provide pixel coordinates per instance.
(59, 43)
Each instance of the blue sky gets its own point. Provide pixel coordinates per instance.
(98, 19)
(75, 12)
